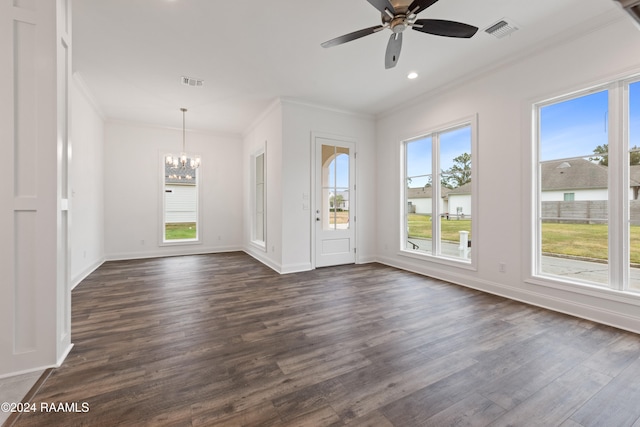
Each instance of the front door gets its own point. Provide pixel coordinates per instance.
(334, 212)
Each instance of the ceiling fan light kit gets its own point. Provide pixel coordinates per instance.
(401, 17)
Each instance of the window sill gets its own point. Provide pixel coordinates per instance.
(452, 262)
(186, 242)
(588, 289)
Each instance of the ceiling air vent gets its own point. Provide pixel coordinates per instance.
(501, 28)
(632, 7)
(190, 81)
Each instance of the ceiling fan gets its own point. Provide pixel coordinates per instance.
(398, 15)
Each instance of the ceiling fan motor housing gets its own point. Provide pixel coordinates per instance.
(399, 24)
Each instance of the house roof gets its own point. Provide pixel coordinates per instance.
(574, 174)
(634, 175)
(463, 189)
(425, 192)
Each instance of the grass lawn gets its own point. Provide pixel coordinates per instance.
(585, 240)
(341, 217)
(180, 230)
(420, 227)
(581, 240)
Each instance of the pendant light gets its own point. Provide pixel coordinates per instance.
(183, 161)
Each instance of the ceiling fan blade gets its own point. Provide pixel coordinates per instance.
(381, 5)
(352, 36)
(393, 50)
(418, 6)
(444, 28)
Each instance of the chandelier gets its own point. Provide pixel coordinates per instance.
(183, 161)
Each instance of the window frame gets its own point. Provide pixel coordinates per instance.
(617, 288)
(261, 244)
(471, 262)
(162, 212)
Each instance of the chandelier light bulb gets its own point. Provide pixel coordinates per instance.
(183, 161)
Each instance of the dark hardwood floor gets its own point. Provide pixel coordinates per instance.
(223, 340)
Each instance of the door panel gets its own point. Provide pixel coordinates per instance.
(334, 207)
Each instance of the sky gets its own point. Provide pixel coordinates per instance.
(339, 172)
(574, 128)
(452, 144)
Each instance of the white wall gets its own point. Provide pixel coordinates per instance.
(87, 184)
(423, 205)
(133, 190)
(579, 195)
(502, 98)
(286, 128)
(265, 132)
(299, 122)
(464, 201)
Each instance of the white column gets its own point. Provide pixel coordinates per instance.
(33, 238)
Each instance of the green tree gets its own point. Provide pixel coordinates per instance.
(459, 174)
(602, 157)
(336, 201)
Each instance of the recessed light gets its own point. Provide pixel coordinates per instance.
(412, 75)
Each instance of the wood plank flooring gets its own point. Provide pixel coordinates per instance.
(223, 340)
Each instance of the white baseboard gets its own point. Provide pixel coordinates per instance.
(296, 268)
(171, 251)
(367, 259)
(86, 272)
(261, 257)
(64, 356)
(25, 371)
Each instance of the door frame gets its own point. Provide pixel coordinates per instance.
(314, 189)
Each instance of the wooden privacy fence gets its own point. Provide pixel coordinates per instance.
(584, 211)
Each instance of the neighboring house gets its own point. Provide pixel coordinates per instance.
(460, 201)
(420, 200)
(180, 194)
(342, 203)
(577, 190)
(581, 180)
(573, 180)
(634, 178)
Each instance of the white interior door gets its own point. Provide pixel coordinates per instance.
(334, 211)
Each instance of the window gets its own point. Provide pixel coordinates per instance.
(335, 187)
(259, 218)
(587, 227)
(437, 219)
(180, 203)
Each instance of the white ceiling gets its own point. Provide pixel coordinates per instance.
(131, 54)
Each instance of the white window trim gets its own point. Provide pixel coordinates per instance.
(260, 244)
(182, 242)
(618, 203)
(471, 264)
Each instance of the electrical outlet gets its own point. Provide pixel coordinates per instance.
(502, 267)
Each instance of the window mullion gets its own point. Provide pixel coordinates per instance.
(618, 205)
(436, 194)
